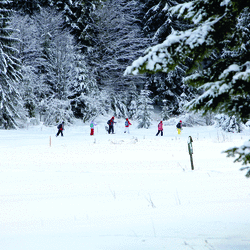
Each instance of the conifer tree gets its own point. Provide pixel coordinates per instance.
(145, 108)
(158, 23)
(218, 45)
(11, 111)
(78, 16)
(86, 98)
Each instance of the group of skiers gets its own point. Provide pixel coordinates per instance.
(111, 123)
(160, 128)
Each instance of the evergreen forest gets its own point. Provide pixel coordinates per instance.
(67, 59)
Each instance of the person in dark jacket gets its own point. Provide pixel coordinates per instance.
(60, 129)
(111, 123)
(160, 129)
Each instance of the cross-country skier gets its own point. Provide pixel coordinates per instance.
(127, 123)
(179, 127)
(92, 127)
(111, 123)
(60, 129)
(160, 128)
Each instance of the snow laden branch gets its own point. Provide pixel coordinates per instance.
(243, 154)
(176, 48)
(228, 87)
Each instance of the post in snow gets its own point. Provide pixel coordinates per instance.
(190, 150)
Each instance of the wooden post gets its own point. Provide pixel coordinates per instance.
(190, 150)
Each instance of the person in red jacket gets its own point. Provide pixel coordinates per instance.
(127, 124)
(160, 129)
(92, 127)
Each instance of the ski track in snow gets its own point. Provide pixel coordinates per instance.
(122, 191)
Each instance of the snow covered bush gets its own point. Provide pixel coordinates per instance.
(228, 123)
(11, 103)
(57, 111)
(192, 119)
(165, 113)
(132, 109)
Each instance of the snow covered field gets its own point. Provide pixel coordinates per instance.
(122, 192)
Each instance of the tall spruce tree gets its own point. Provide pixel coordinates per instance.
(219, 47)
(11, 111)
(86, 98)
(158, 23)
(145, 109)
(78, 16)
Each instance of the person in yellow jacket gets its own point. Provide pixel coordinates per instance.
(179, 127)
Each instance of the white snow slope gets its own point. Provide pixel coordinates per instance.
(122, 192)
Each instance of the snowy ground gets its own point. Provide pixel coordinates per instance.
(122, 192)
